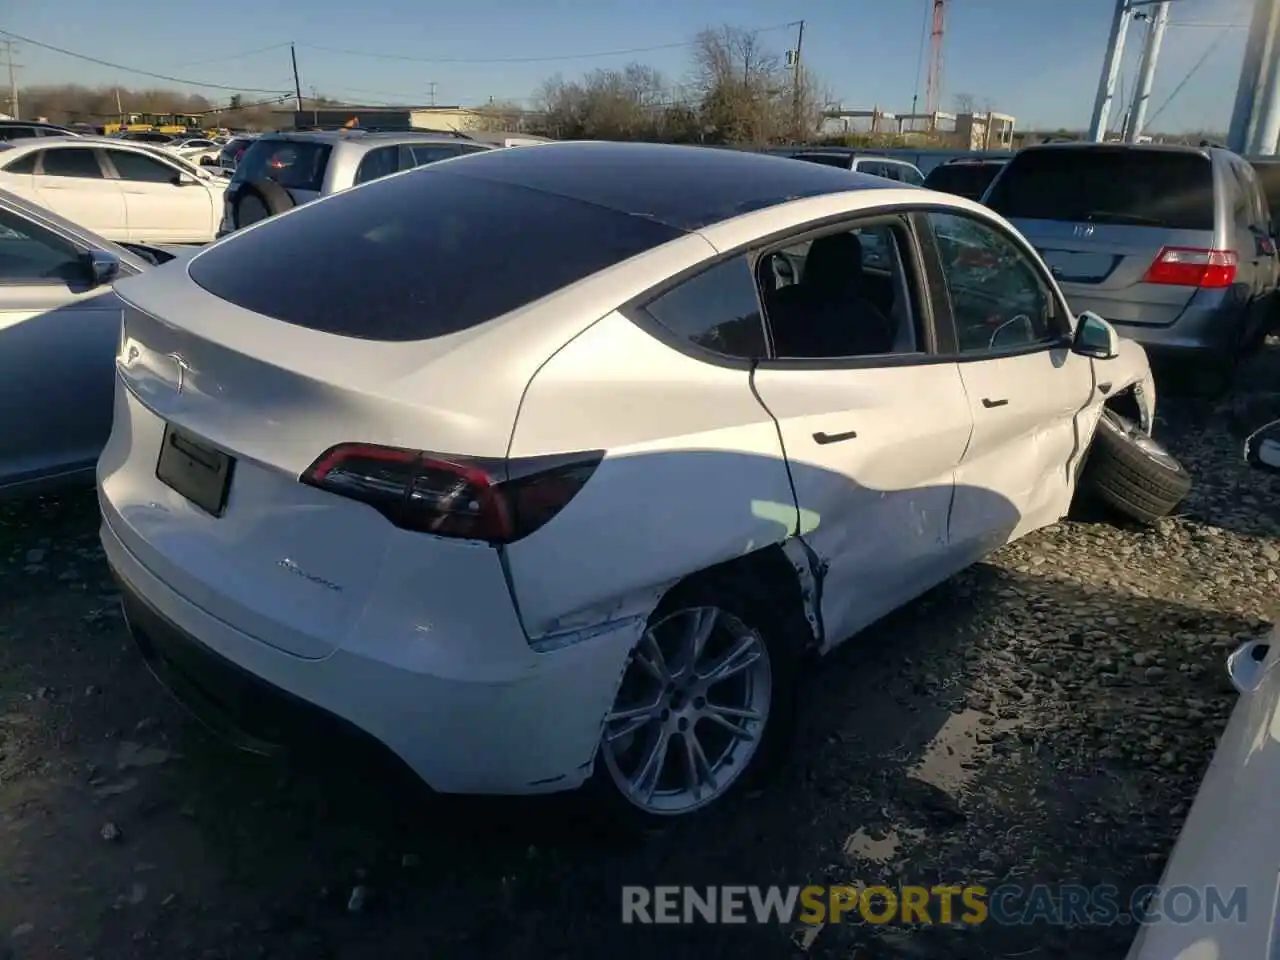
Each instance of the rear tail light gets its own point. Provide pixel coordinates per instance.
(491, 500)
(1193, 267)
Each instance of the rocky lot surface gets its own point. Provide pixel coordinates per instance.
(1045, 717)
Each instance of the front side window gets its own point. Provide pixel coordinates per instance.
(31, 254)
(998, 299)
(717, 310)
(910, 175)
(71, 162)
(841, 295)
(139, 169)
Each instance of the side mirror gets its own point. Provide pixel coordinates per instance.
(1262, 449)
(103, 267)
(1095, 337)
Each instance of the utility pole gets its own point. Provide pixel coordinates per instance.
(1262, 128)
(1253, 74)
(1156, 24)
(1110, 72)
(795, 81)
(297, 84)
(431, 88)
(14, 110)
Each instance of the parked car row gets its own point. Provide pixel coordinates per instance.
(1174, 245)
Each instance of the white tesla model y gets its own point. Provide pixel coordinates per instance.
(544, 467)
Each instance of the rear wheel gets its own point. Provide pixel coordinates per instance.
(706, 704)
(1131, 473)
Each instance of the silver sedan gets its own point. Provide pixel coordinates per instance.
(59, 331)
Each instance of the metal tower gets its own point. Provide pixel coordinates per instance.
(933, 89)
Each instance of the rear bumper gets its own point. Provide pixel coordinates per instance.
(464, 730)
(1212, 328)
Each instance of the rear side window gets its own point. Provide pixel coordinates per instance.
(411, 258)
(25, 164)
(71, 162)
(1144, 188)
(420, 154)
(962, 179)
(294, 164)
(826, 159)
(17, 133)
(377, 164)
(717, 310)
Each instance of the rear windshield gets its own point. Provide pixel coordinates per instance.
(1145, 188)
(827, 159)
(963, 179)
(294, 164)
(419, 256)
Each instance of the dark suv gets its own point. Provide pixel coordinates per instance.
(1172, 244)
(966, 177)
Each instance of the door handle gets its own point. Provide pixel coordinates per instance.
(989, 403)
(825, 438)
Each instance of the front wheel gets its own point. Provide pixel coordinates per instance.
(1131, 473)
(706, 703)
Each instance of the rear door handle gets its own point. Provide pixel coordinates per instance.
(989, 403)
(825, 438)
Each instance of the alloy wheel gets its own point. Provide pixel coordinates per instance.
(690, 711)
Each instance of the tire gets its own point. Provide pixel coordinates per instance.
(259, 200)
(1132, 474)
(745, 609)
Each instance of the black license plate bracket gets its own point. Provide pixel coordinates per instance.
(196, 470)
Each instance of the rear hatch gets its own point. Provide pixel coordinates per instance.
(297, 164)
(1102, 217)
(367, 320)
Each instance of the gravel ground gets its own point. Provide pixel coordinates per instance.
(1044, 717)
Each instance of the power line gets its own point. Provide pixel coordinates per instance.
(135, 70)
(597, 55)
(233, 56)
(1204, 58)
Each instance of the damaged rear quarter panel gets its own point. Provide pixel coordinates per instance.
(693, 476)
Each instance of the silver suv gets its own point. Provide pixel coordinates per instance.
(1172, 244)
(278, 171)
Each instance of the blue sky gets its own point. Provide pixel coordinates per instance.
(1036, 59)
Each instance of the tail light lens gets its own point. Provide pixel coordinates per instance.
(1193, 267)
(494, 501)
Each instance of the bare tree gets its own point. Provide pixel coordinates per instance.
(963, 102)
(744, 90)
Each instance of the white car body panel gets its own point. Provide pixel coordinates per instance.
(1033, 417)
(669, 423)
(97, 205)
(873, 506)
(1229, 838)
(494, 667)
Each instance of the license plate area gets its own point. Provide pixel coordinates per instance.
(1068, 266)
(195, 470)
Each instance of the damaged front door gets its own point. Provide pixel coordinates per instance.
(1024, 385)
